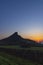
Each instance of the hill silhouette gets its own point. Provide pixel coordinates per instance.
(16, 39)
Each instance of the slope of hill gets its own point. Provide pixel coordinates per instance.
(6, 59)
(16, 39)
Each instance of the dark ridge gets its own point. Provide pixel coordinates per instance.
(16, 39)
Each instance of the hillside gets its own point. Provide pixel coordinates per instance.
(16, 39)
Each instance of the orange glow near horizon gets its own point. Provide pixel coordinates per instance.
(33, 36)
(37, 37)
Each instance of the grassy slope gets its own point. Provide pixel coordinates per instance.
(18, 47)
(14, 47)
(9, 60)
(6, 59)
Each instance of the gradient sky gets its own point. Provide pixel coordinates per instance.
(23, 16)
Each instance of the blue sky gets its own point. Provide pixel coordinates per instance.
(23, 16)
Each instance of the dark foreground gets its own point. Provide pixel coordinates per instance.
(34, 55)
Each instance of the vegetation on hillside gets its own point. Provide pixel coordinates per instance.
(6, 59)
(18, 47)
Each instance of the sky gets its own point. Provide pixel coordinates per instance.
(22, 16)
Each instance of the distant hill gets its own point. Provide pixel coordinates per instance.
(16, 39)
